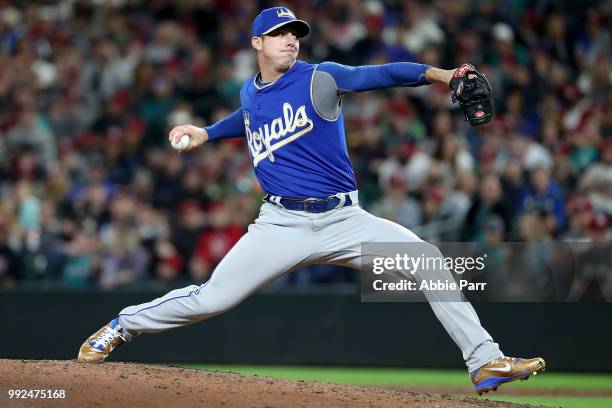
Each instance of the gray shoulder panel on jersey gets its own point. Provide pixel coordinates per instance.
(324, 94)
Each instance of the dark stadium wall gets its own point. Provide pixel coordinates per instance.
(307, 329)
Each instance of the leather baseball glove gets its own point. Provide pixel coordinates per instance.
(472, 90)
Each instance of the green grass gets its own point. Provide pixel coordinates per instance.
(408, 377)
(561, 401)
(442, 378)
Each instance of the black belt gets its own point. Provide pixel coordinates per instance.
(312, 205)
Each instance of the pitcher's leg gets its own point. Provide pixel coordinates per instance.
(277, 243)
(343, 242)
(266, 252)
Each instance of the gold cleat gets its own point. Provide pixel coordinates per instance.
(100, 344)
(504, 370)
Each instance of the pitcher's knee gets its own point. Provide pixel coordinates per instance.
(416, 248)
(433, 250)
(421, 246)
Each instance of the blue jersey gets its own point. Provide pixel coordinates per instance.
(295, 128)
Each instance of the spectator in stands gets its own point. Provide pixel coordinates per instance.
(488, 203)
(396, 204)
(545, 196)
(8, 258)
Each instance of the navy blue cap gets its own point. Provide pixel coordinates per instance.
(271, 19)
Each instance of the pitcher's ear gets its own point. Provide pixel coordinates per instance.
(256, 42)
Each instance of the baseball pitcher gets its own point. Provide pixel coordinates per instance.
(291, 116)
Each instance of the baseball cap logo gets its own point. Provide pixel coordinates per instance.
(273, 18)
(284, 12)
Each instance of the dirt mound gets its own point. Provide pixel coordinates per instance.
(139, 385)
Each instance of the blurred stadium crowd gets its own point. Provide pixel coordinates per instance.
(93, 195)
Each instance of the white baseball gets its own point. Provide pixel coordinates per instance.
(182, 143)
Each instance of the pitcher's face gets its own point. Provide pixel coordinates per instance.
(280, 48)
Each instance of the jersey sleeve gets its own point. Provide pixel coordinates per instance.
(228, 127)
(368, 77)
